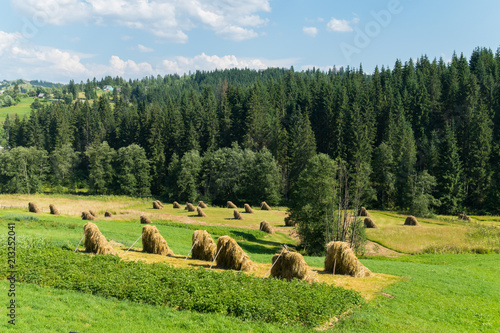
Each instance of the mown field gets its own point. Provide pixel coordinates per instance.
(425, 292)
(20, 109)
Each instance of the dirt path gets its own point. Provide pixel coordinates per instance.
(373, 249)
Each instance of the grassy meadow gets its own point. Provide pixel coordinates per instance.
(414, 291)
(21, 109)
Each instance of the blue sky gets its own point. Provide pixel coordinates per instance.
(59, 40)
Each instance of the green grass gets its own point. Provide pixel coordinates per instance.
(21, 109)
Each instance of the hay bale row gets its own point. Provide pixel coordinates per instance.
(53, 210)
(264, 206)
(202, 204)
(177, 205)
(95, 242)
(145, 220)
(369, 223)
(231, 255)
(33, 208)
(292, 265)
(266, 227)
(200, 212)
(107, 214)
(237, 215)
(340, 256)
(363, 212)
(87, 216)
(411, 221)
(189, 207)
(157, 204)
(153, 242)
(289, 222)
(204, 247)
(231, 205)
(248, 209)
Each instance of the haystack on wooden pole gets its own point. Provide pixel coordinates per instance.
(145, 220)
(95, 242)
(92, 213)
(87, 216)
(248, 209)
(157, 204)
(231, 255)
(153, 242)
(33, 208)
(107, 214)
(412, 221)
(190, 207)
(202, 204)
(237, 215)
(363, 212)
(341, 260)
(292, 265)
(266, 227)
(200, 212)
(231, 205)
(53, 210)
(204, 247)
(176, 205)
(289, 222)
(464, 217)
(369, 223)
(264, 206)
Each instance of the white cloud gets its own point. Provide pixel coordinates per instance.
(341, 25)
(310, 31)
(144, 49)
(171, 19)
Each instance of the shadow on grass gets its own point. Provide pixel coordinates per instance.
(255, 245)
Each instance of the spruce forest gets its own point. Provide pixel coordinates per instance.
(421, 136)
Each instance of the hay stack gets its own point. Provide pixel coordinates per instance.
(157, 204)
(95, 242)
(202, 204)
(53, 210)
(204, 247)
(190, 207)
(107, 214)
(200, 212)
(369, 223)
(177, 205)
(292, 265)
(33, 208)
(340, 255)
(231, 205)
(464, 217)
(289, 222)
(266, 227)
(87, 216)
(363, 212)
(145, 220)
(264, 206)
(237, 215)
(411, 220)
(248, 209)
(231, 255)
(153, 242)
(92, 213)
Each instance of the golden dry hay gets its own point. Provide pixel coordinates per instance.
(231, 205)
(190, 207)
(53, 210)
(204, 247)
(369, 223)
(107, 214)
(237, 215)
(289, 222)
(264, 206)
(33, 208)
(157, 204)
(92, 213)
(177, 205)
(95, 242)
(412, 221)
(266, 227)
(202, 204)
(340, 256)
(464, 217)
(231, 255)
(153, 242)
(87, 216)
(292, 265)
(145, 220)
(200, 212)
(363, 212)
(248, 209)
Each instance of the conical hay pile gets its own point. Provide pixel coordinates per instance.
(177, 205)
(204, 247)
(95, 242)
(202, 204)
(264, 206)
(190, 207)
(369, 223)
(200, 212)
(107, 214)
(464, 217)
(53, 210)
(289, 222)
(153, 242)
(340, 255)
(231, 205)
(363, 212)
(231, 255)
(87, 216)
(266, 227)
(411, 220)
(33, 208)
(248, 209)
(292, 265)
(145, 220)
(157, 204)
(92, 213)
(237, 215)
